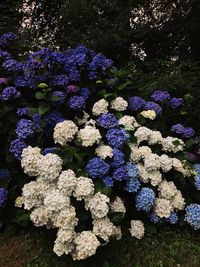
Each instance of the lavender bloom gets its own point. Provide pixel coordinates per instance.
(3, 197)
(107, 121)
(22, 112)
(160, 96)
(188, 132)
(9, 93)
(24, 128)
(153, 106)
(72, 88)
(3, 81)
(176, 102)
(17, 147)
(135, 103)
(77, 102)
(178, 128)
(12, 65)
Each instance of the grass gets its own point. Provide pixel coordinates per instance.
(166, 248)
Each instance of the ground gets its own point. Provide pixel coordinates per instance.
(165, 248)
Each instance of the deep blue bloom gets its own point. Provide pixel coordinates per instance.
(6, 38)
(173, 218)
(85, 92)
(59, 95)
(53, 118)
(136, 103)
(176, 102)
(149, 105)
(21, 81)
(197, 181)
(121, 173)
(61, 80)
(16, 147)
(56, 57)
(117, 159)
(9, 93)
(192, 216)
(74, 75)
(3, 197)
(32, 64)
(36, 121)
(160, 96)
(97, 167)
(108, 181)
(24, 128)
(4, 55)
(81, 49)
(197, 168)
(4, 174)
(188, 132)
(107, 121)
(92, 75)
(48, 150)
(145, 199)
(12, 65)
(117, 137)
(22, 112)
(133, 185)
(155, 219)
(77, 102)
(80, 59)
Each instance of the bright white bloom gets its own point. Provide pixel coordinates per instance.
(103, 228)
(32, 195)
(172, 144)
(84, 119)
(129, 122)
(155, 177)
(138, 153)
(64, 132)
(19, 202)
(178, 202)
(152, 162)
(67, 182)
(119, 104)
(144, 151)
(163, 208)
(142, 134)
(40, 216)
(84, 188)
(66, 219)
(148, 114)
(155, 138)
(30, 157)
(117, 206)
(89, 136)
(49, 167)
(98, 205)
(56, 201)
(167, 190)
(166, 163)
(137, 229)
(86, 244)
(144, 174)
(64, 242)
(104, 151)
(100, 107)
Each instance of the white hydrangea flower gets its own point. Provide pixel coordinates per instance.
(84, 119)
(56, 201)
(100, 107)
(142, 134)
(129, 122)
(155, 138)
(148, 114)
(67, 182)
(163, 207)
(144, 174)
(104, 151)
(19, 202)
(152, 162)
(32, 195)
(117, 206)
(89, 136)
(117, 232)
(103, 228)
(166, 163)
(167, 190)
(84, 188)
(66, 218)
(49, 167)
(135, 155)
(178, 202)
(40, 216)
(86, 244)
(137, 229)
(172, 144)
(98, 205)
(64, 242)
(30, 157)
(64, 132)
(119, 104)
(155, 177)
(144, 151)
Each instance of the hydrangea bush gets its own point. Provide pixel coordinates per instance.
(94, 158)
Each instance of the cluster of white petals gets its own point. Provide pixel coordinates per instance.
(104, 228)
(167, 190)
(104, 151)
(152, 162)
(64, 132)
(100, 107)
(119, 104)
(148, 114)
(29, 162)
(117, 206)
(163, 207)
(84, 119)
(172, 144)
(137, 229)
(129, 122)
(89, 136)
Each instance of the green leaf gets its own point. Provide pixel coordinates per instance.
(43, 109)
(40, 95)
(122, 86)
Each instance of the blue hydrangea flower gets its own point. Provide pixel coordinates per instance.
(80, 59)
(81, 49)
(77, 102)
(132, 169)
(4, 174)
(74, 75)
(155, 219)
(108, 181)
(133, 185)
(188, 132)
(16, 147)
(173, 218)
(117, 137)
(53, 118)
(92, 75)
(60, 95)
(48, 150)
(32, 64)
(22, 112)
(121, 173)
(24, 128)
(178, 128)
(4, 55)
(9, 93)
(149, 105)
(145, 199)
(9, 36)
(197, 168)
(117, 159)
(197, 181)
(21, 81)
(176, 102)
(36, 121)
(12, 65)
(61, 80)
(192, 216)
(97, 167)
(107, 121)
(85, 92)
(160, 96)
(3, 197)
(56, 57)
(135, 103)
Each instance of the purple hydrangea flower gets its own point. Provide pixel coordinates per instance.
(9, 93)
(12, 65)
(24, 128)
(3, 197)
(74, 75)
(85, 92)
(160, 96)
(135, 103)
(117, 137)
(188, 132)
(61, 80)
(97, 167)
(72, 88)
(176, 102)
(4, 174)
(4, 55)
(59, 95)
(178, 128)
(22, 112)
(107, 121)
(16, 147)
(3, 81)
(153, 106)
(77, 102)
